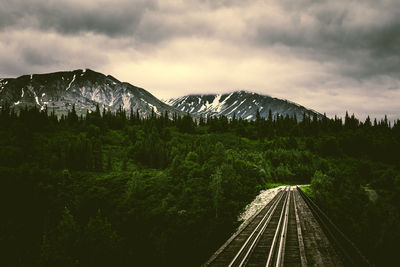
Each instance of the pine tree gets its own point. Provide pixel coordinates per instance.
(258, 116)
(367, 122)
(72, 116)
(270, 119)
(124, 163)
(201, 121)
(97, 155)
(109, 164)
(216, 189)
(100, 242)
(62, 247)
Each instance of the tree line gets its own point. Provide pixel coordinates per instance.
(114, 188)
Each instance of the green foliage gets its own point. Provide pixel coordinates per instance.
(273, 185)
(68, 244)
(109, 189)
(307, 190)
(363, 206)
(321, 185)
(216, 188)
(62, 247)
(100, 243)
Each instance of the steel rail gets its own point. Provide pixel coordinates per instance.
(254, 243)
(346, 248)
(276, 236)
(257, 232)
(282, 243)
(240, 230)
(303, 257)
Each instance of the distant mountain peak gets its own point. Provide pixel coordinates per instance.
(84, 88)
(244, 104)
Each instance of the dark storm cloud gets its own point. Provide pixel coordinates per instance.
(37, 57)
(328, 55)
(108, 18)
(35, 52)
(363, 44)
(362, 37)
(331, 33)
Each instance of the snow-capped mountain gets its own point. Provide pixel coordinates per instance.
(241, 103)
(84, 88)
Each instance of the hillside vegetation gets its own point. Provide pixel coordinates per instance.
(114, 189)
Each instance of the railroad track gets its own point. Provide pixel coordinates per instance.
(272, 238)
(348, 251)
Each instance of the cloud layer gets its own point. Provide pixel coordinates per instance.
(331, 56)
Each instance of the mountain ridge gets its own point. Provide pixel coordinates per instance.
(85, 88)
(243, 103)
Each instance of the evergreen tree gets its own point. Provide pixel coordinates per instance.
(216, 188)
(109, 163)
(100, 242)
(97, 155)
(63, 246)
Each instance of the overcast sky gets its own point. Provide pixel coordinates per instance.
(331, 56)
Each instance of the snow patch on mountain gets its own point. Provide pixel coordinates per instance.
(64, 89)
(242, 103)
(96, 95)
(202, 108)
(215, 105)
(69, 85)
(112, 99)
(154, 108)
(36, 98)
(126, 101)
(237, 107)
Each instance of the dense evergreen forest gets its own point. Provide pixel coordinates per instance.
(114, 189)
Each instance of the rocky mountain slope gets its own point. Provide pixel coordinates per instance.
(84, 88)
(241, 103)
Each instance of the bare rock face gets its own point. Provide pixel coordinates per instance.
(241, 103)
(82, 88)
(86, 88)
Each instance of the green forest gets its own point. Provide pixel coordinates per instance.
(115, 189)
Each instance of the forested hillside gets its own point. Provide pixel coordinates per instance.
(115, 189)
